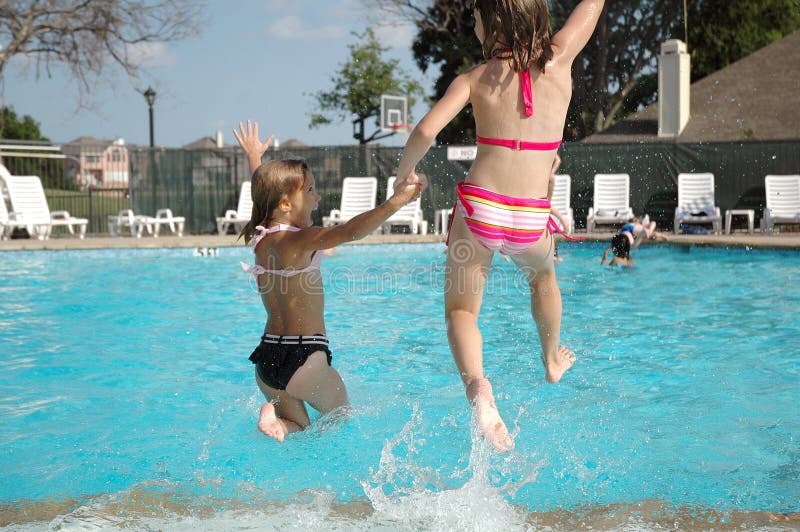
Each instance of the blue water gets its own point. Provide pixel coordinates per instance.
(124, 382)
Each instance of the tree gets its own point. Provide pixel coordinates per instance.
(616, 74)
(358, 85)
(87, 36)
(723, 31)
(12, 128)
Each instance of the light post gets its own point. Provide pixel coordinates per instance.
(150, 97)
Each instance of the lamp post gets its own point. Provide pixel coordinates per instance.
(150, 97)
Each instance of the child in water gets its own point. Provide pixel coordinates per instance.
(293, 359)
(519, 96)
(630, 237)
(621, 247)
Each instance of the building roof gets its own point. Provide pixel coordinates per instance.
(203, 143)
(755, 98)
(90, 141)
(293, 143)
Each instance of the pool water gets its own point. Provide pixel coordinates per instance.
(127, 400)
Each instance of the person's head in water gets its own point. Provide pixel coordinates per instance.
(515, 29)
(621, 246)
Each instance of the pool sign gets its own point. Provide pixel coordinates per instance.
(461, 153)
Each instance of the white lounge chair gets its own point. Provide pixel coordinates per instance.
(165, 217)
(611, 201)
(409, 215)
(783, 201)
(137, 224)
(27, 199)
(696, 204)
(562, 190)
(238, 218)
(9, 220)
(127, 220)
(358, 195)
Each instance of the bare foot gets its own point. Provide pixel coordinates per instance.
(487, 417)
(269, 424)
(563, 361)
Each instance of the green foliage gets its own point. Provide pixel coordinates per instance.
(723, 31)
(51, 171)
(448, 40)
(12, 128)
(358, 85)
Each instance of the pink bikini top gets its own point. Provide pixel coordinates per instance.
(257, 269)
(527, 101)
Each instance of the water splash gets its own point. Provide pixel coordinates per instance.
(402, 490)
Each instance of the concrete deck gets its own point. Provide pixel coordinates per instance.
(735, 240)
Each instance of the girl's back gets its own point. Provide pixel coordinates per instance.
(517, 37)
(497, 102)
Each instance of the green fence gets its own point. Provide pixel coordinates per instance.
(738, 168)
(202, 184)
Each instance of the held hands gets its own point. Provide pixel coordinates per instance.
(409, 188)
(248, 140)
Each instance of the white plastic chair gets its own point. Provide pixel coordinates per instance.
(27, 198)
(611, 201)
(358, 195)
(562, 190)
(165, 217)
(783, 201)
(696, 203)
(410, 215)
(127, 220)
(238, 218)
(9, 220)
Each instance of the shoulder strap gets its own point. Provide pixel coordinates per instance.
(527, 91)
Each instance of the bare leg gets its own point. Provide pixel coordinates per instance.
(537, 264)
(468, 266)
(318, 384)
(282, 414)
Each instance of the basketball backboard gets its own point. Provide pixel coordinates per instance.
(394, 112)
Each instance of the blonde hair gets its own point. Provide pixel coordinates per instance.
(271, 182)
(518, 30)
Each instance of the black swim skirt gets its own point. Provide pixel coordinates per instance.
(277, 358)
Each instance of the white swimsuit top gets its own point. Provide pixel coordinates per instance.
(257, 269)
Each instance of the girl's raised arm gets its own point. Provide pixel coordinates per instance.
(252, 146)
(578, 29)
(425, 132)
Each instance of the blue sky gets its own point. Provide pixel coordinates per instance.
(259, 59)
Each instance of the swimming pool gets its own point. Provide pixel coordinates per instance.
(127, 400)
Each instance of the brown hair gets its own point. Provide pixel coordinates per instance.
(271, 182)
(518, 30)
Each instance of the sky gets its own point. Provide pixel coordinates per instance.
(257, 59)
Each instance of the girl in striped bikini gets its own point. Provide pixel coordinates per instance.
(519, 96)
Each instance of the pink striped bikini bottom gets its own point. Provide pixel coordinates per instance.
(504, 223)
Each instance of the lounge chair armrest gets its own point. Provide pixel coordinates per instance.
(59, 215)
(16, 216)
(230, 214)
(335, 214)
(164, 213)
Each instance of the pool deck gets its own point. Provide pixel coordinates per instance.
(60, 242)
